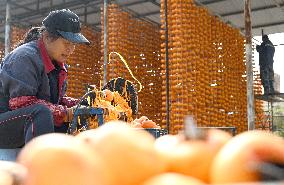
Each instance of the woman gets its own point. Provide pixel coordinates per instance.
(33, 81)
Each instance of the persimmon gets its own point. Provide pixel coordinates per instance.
(173, 178)
(129, 153)
(108, 95)
(11, 173)
(192, 157)
(241, 158)
(142, 118)
(149, 124)
(145, 122)
(59, 159)
(135, 124)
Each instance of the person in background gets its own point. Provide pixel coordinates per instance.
(266, 53)
(33, 81)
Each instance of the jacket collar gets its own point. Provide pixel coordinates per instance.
(46, 59)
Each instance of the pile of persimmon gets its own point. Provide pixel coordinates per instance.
(117, 154)
(221, 159)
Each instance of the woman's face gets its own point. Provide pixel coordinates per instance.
(59, 49)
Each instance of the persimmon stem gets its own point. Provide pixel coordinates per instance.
(269, 171)
(191, 131)
(190, 128)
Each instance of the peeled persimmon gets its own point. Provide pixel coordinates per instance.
(145, 122)
(142, 118)
(129, 153)
(192, 157)
(149, 124)
(59, 159)
(108, 95)
(135, 124)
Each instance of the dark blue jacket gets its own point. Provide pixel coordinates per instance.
(28, 76)
(266, 53)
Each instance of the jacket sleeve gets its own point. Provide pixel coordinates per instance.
(21, 75)
(58, 111)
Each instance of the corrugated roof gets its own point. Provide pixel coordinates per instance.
(266, 14)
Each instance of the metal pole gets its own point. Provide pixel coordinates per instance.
(85, 14)
(167, 68)
(7, 28)
(37, 5)
(272, 117)
(250, 93)
(105, 43)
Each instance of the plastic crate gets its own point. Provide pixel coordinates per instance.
(231, 130)
(156, 132)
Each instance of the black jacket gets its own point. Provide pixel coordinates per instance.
(266, 53)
